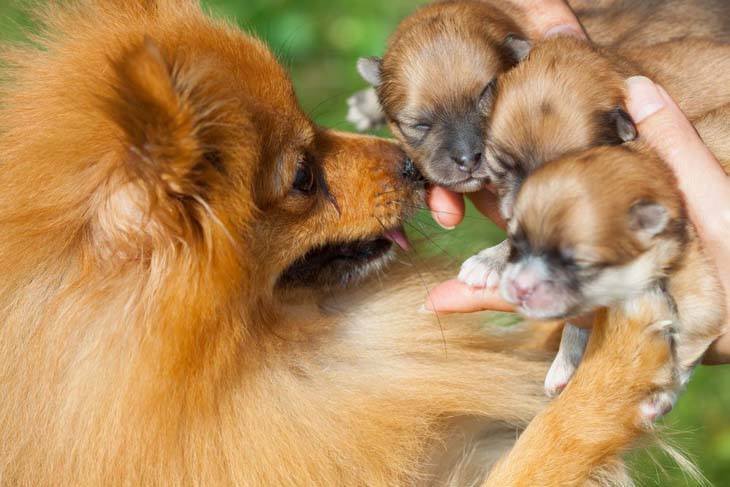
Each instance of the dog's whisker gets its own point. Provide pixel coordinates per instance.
(426, 288)
(431, 241)
(441, 212)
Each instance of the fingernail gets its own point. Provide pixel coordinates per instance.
(564, 30)
(442, 224)
(644, 98)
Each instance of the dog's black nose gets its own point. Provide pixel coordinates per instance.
(411, 173)
(468, 161)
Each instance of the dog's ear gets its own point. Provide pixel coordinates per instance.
(616, 127)
(158, 121)
(517, 48)
(371, 70)
(166, 164)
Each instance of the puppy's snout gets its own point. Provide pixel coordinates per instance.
(523, 286)
(465, 146)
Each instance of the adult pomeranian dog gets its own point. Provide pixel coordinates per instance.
(175, 240)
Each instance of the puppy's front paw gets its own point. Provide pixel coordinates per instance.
(560, 373)
(572, 348)
(365, 111)
(484, 270)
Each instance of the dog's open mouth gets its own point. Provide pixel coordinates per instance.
(343, 263)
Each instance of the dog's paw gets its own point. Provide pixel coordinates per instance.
(365, 111)
(484, 270)
(572, 348)
(661, 402)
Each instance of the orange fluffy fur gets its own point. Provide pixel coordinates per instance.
(145, 217)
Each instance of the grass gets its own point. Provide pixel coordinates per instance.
(320, 41)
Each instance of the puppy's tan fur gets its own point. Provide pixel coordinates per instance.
(629, 23)
(148, 209)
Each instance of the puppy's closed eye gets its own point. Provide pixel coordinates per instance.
(416, 131)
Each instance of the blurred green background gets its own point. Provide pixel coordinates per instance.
(320, 41)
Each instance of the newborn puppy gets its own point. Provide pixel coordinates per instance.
(437, 87)
(601, 227)
(432, 81)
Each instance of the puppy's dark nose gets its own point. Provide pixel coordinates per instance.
(467, 161)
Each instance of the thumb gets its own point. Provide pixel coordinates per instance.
(665, 128)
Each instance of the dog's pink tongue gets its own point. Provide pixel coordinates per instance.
(399, 238)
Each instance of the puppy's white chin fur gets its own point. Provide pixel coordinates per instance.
(470, 186)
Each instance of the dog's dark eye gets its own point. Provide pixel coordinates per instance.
(421, 127)
(304, 181)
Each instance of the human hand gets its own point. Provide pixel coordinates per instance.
(545, 18)
(703, 181)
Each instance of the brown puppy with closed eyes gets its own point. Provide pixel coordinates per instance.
(604, 226)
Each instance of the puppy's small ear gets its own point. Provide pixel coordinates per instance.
(486, 99)
(620, 128)
(516, 47)
(648, 219)
(371, 70)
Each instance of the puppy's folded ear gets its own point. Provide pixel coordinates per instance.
(618, 127)
(486, 99)
(516, 48)
(166, 164)
(648, 219)
(371, 70)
